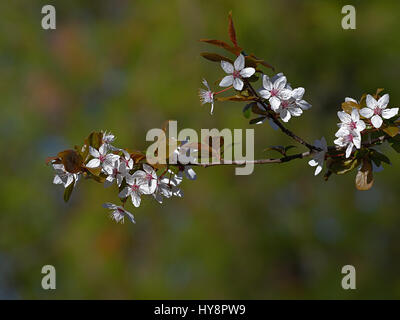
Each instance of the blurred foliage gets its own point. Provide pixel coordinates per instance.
(126, 66)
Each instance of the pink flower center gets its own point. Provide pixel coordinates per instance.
(210, 95)
(285, 104)
(353, 125)
(149, 176)
(120, 210)
(350, 138)
(135, 187)
(377, 111)
(102, 158)
(274, 92)
(236, 74)
(115, 172)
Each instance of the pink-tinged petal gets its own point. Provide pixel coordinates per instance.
(135, 199)
(139, 174)
(376, 121)
(94, 163)
(355, 115)
(103, 149)
(275, 103)
(238, 84)
(285, 115)
(93, 152)
(367, 112)
(298, 93)
(389, 113)
(265, 94)
(247, 72)
(124, 193)
(360, 125)
(280, 83)
(344, 117)
(239, 63)
(226, 81)
(285, 94)
(349, 149)
(267, 84)
(371, 102)
(130, 216)
(383, 101)
(227, 67)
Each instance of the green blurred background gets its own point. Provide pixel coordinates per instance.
(126, 66)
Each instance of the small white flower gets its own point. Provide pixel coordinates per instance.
(349, 138)
(64, 177)
(207, 96)
(275, 91)
(118, 173)
(168, 187)
(149, 178)
(297, 94)
(319, 157)
(236, 72)
(136, 187)
(101, 158)
(376, 110)
(118, 213)
(351, 122)
(287, 109)
(108, 137)
(126, 160)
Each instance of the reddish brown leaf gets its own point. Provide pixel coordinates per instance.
(231, 30)
(215, 57)
(71, 160)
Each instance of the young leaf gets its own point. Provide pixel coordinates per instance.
(236, 97)
(231, 30)
(392, 131)
(348, 106)
(224, 45)
(364, 178)
(215, 57)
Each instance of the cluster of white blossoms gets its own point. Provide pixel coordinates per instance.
(117, 166)
(284, 100)
(351, 126)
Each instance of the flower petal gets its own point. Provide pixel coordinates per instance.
(344, 117)
(124, 193)
(360, 125)
(285, 115)
(389, 113)
(383, 101)
(239, 63)
(247, 72)
(376, 121)
(238, 84)
(267, 84)
(355, 115)
(367, 112)
(371, 102)
(275, 103)
(227, 67)
(226, 81)
(280, 83)
(265, 94)
(109, 205)
(94, 163)
(298, 93)
(349, 149)
(135, 199)
(93, 152)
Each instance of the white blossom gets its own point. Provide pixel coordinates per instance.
(64, 177)
(118, 213)
(207, 96)
(102, 159)
(136, 187)
(351, 122)
(348, 138)
(275, 91)
(118, 173)
(319, 157)
(376, 110)
(236, 72)
(168, 187)
(287, 109)
(149, 179)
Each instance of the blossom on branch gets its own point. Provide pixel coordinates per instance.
(376, 110)
(236, 72)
